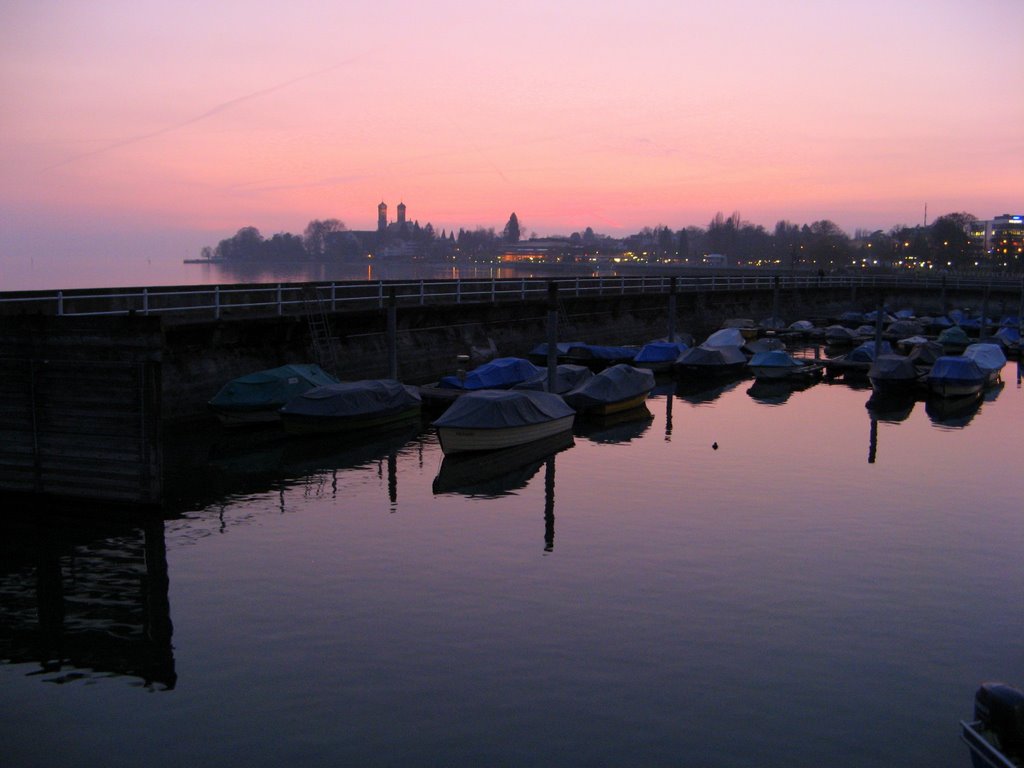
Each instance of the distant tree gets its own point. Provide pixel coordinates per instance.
(666, 241)
(683, 244)
(247, 243)
(951, 243)
(511, 231)
(316, 236)
(588, 236)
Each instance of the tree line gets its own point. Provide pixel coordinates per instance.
(821, 244)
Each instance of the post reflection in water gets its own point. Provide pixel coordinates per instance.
(750, 578)
(82, 601)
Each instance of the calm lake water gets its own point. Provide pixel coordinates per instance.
(822, 589)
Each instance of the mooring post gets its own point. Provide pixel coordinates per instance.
(942, 295)
(392, 334)
(672, 309)
(775, 298)
(552, 335)
(984, 313)
(879, 314)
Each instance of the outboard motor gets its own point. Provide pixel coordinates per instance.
(1000, 708)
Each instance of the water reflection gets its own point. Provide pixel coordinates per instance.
(82, 600)
(952, 412)
(490, 474)
(619, 427)
(698, 392)
(206, 466)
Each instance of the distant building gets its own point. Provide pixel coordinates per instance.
(1001, 236)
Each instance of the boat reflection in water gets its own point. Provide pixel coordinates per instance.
(698, 392)
(890, 409)
(620, 427)
(491, 474)
(953, 412)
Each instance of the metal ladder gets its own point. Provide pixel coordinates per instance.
(322, 342)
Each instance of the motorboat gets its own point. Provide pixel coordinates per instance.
(500, 373)
(956, 376)
(710, 361)
(597, 356)
(857, 362)
(618, 388)
(257, 398)
(727, 337)
(779, 364)
(489, 419)
(490, 474)
(995, 737)
(539, 354)
(989, 357)
(659, 356)
(351, 406)
(953, 339)
(567, 377)
(896, 374)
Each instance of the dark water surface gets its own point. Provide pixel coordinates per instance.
(822, 589)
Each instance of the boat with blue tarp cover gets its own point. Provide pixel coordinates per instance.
(257, 397)
(618, 388)
(659, 355)
(351, 406)
(567, 377)
(490, 419)
(779, 364)
(500, 373)
(989, 358)
(956, 376)
(596, 356)
(711, 361)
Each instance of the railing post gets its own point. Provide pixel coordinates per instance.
(60, 303)
(280, 308)
(334, 297)
(458, 291)
(145, 301)
(493, 290)
(577, 287)
(216, 302)
(423, 298)
(380, 293)
(522, 290)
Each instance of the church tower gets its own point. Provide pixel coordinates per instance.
(382, 216)
(401, 214)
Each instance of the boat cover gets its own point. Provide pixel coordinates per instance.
(1008, 335)
(956, 367)
(271, 388)
(353, 399)
(801, 325)
(926, 353)
(892, 368)
(1010, 321)
(726, 337)
(772, 324)
(839, 332)
(612, 385)
(500, 373)
(954, 335)
(712, 356)
(904, 328)
(853, 318)
(865, 353)
(598, 352)
(659, 352)
(765, 345)
(989, 357)
(775, 358)
(937, 322)
(904, 314)
(957, 316)
(567, 377)
(561, 348)
(498, 408)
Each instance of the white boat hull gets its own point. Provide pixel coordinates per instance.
(461, 439)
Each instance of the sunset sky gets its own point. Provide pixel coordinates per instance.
(175, 124)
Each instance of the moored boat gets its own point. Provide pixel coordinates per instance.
(896, 374)
(956, 376)
(779, 364)
(618, 388)
(659, 356)
(989, 358)
(257, 398)
(351, 406)
(996, 735)
(567, 377)
(490, 419)
(712, 361)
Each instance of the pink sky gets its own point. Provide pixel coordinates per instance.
(178, 123)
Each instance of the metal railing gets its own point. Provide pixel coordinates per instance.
(221, 301)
